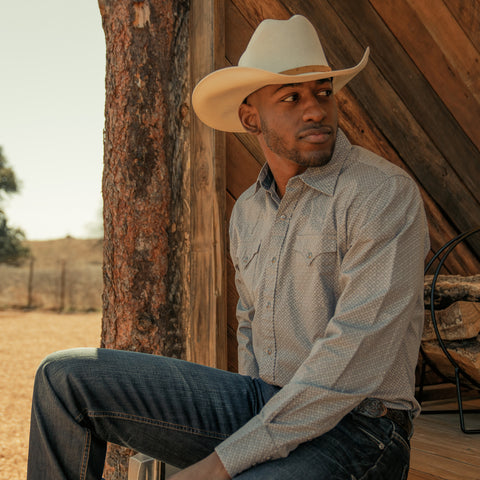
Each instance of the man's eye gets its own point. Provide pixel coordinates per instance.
(291, 98)
(324, 93)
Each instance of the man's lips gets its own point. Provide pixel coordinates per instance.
(316, 134)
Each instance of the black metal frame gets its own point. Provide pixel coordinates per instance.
(442, 255)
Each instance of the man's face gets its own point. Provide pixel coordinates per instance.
(297, 122)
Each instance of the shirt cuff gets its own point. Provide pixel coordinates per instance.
(248, 446)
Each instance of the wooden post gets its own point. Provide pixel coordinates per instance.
(30, 283)
(207, 331)
(63, 269)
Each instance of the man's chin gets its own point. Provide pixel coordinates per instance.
(314, 160)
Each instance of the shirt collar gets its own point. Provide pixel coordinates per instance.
(324, 179)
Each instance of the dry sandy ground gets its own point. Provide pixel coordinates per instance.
(25, 339)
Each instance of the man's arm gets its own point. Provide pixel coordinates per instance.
(247, 364)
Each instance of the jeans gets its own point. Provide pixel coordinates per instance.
(178, 412)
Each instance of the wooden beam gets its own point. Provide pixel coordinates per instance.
(207, 329)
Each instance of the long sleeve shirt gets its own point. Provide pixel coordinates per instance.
(330, 283)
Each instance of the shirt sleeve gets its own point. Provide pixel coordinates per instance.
(247, 364)
(379, 307)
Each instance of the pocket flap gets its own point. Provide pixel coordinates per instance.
(247, 251)
(310, 246)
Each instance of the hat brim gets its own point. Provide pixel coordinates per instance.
(217, 97)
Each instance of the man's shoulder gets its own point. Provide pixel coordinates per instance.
(244, 204)
(365, 173)
(373, 164)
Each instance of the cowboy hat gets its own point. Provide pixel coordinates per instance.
(279, 52)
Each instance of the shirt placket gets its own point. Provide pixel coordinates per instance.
(273, 257)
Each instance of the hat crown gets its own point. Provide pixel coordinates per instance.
(281, 45)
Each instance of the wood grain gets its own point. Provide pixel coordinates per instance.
(426, 33)
(207, 328)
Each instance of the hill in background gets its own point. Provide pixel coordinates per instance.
(64, 275)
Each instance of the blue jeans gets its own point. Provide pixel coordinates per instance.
(178, 412)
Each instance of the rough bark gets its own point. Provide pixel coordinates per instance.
(146, 159)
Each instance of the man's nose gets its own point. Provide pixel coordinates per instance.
(314, 110)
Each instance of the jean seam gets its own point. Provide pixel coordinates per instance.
(400, 438)
(85, 455)
(396, 436)
(158, 423)
(379, 459)
(372, 437)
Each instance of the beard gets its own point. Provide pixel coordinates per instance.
(314, 158)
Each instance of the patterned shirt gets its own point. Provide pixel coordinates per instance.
(330, 283)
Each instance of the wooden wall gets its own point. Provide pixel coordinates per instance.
(417, 103)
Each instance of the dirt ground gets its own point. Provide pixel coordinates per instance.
(25, 339)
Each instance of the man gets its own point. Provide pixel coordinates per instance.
(328, 248)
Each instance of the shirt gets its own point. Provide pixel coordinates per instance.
(330, 284)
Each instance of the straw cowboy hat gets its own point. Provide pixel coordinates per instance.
(279, 52)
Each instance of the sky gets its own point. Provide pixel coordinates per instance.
(52, 95)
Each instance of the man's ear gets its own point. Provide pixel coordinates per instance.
(248, 115)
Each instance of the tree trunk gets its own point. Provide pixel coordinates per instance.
(145, 181)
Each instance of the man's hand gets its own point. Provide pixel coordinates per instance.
(210, 468)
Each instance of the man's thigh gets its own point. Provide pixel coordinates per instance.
(170, 409)
(358, 448)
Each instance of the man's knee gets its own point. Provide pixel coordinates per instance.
(58, 367)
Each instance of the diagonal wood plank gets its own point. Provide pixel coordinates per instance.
(467, 13)
(451, 79)
(452, 40)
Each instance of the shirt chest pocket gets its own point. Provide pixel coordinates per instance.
(316, 250)
(247, 262)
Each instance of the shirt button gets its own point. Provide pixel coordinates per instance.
(269, 304)
(274, 259)
(245, 259)
(269, 351)
(283, 217)
(309, 255)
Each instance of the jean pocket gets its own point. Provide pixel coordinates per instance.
(377, 430)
